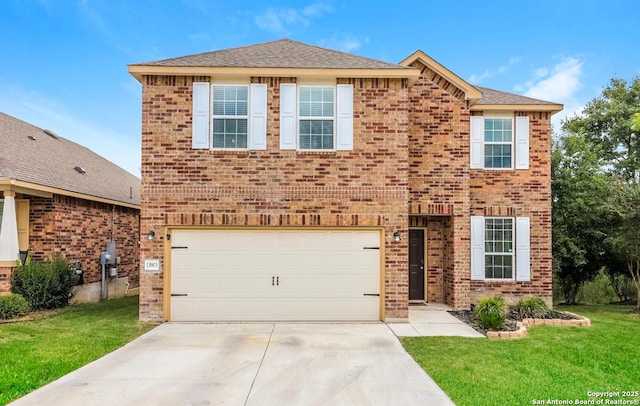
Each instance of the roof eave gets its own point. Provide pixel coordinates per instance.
(549, 108)
(138, 71)
(46, 191)
(471, 92)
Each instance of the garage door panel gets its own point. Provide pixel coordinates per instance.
(249, 275)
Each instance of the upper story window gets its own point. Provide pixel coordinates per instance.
(230, 116)
(316, 117)
(499, 142)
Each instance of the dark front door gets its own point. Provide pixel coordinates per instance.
(416, 264)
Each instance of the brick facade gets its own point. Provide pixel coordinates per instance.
(409, 168)
(79, 229)
(364, 187)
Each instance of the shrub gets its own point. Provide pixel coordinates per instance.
(12, 306)
(533, 307)
(491, 312)
(45, 284)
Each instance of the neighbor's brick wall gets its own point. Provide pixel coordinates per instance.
(79, 229)
(521, 193)
(439, 179)
(364, 187)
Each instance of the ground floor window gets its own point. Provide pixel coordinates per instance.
(498, 248)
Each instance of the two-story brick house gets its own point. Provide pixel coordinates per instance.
(283, 181)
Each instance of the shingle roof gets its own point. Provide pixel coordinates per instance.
(29, 154)
(283, 53)
(492, 96)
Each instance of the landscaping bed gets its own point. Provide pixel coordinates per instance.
(513, 321)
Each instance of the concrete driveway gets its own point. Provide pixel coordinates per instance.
(251, 364)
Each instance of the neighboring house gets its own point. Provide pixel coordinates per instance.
(59, 197)
(283, 181)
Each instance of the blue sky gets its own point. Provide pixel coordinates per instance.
(64, 62)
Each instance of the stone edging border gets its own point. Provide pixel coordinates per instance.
(579, 321)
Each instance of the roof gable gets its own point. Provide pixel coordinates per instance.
(35, 156)
(470, 92)
(283, 53)
(283, 57)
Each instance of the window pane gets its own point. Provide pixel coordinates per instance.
(498, 129)
(230, 100)
(316, 102)
(497, 156)
(229, 133)
(316, 134)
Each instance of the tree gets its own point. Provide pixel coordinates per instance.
(578, 184)
(625, 234)
(612, 121)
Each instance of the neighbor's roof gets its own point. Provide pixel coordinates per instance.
(496, 98)
(283, 53)
(32, 156)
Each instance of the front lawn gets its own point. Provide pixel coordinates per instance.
(551, 363)
(34, 353)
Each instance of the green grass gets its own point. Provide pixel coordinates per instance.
(34, 353)
(550, 363)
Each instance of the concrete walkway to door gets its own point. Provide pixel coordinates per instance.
(250, 364)
(432, 320)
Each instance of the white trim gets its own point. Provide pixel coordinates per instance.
(257, 122)
(201, 120)
(521, 142)
(9, 246)
(476, 155)
(523, 249)
(477, 248)
(344, 117)
(288, 131)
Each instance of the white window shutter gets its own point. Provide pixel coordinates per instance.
(522, 143)
(258, 116)
(288, 116)
(523, 249)
(200, 119)
(477, 248)
(477, 142)
(344, 117)
(9, 245)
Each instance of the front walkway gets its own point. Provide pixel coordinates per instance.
(432, 320)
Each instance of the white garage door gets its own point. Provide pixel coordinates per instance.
(251, 275)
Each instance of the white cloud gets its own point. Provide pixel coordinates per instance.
(49, 113)
(477, 78)
(345, 43)
(559, 84)
(280, 20)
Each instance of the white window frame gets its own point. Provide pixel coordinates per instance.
(521, 248)
(300, 118)
(519, 144)
(202, 116)
(510, 143)
(343, 113)
(502, 254)
(213, 116)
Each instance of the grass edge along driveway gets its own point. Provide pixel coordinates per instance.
(551, 363)
(34, 353)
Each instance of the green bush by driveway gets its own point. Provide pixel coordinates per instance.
(551, 363)
(34, 353)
